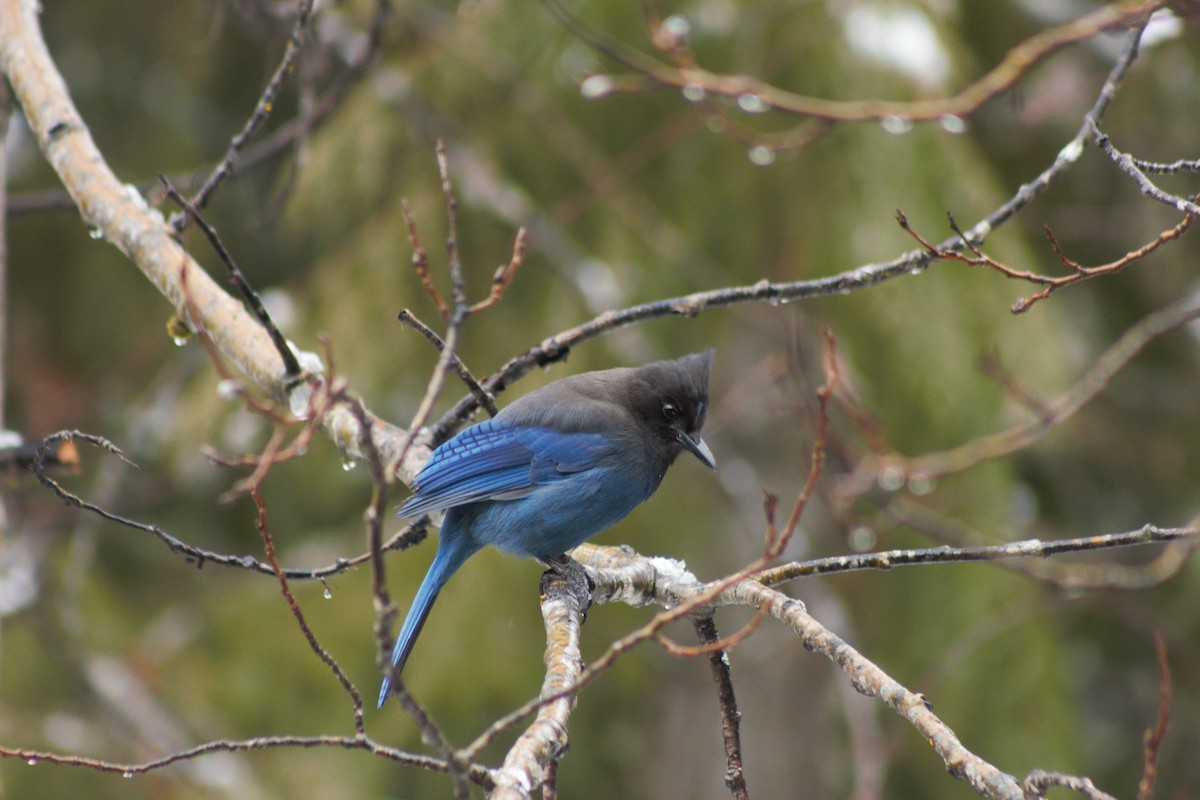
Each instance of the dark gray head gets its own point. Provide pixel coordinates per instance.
(669, 399)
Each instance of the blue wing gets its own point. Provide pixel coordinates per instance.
(500, 461)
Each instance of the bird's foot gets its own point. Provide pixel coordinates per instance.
(564, 573)
(559, 563)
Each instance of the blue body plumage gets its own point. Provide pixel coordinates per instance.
(555, 468)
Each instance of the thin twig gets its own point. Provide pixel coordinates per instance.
(718, 662)
(432, 735)
(555, 348)
(420, 262)
(1016, 63)
(1171, 168)
(479, 775)
(262, 109)
(1149, 188)
(460, 369)
(1038, 781)
(1051, 283)
(1072, 576)
(1153, 738)
(1027, 548)
(291, 365)
(264, 530)
(504, 274)
(895, 470)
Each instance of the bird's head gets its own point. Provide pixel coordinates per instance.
(672, 401)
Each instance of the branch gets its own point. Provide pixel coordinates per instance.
(1153, 738)
(564, 604)
(718, 662)
(1129, 165)
(1072, 576)
(479, 775)
(1038, 781)
(891, 470)
(1078, 272)
(291, 366)
(638, 580)
(262, 109)
(1016, 63)
(556, 347)
(1027, 548)
(119, 214)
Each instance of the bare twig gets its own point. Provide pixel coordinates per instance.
(556, 347)
(1051, 283)
(1153, 738)
(1172, 168)
(264, 530)
(1016, 63)
(253, 300)
(262, 109)
(432, 735)
(479, 775)
(718, 662)
(895, 470)
(420, 262)
(460, 369)
(504, 274)
(1028, 548)
(1038, 781)
(1129, 165)
(46, 454)
(1112, 574)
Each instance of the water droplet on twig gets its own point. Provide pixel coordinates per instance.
(752, 103)
(761, 156)
(596, 86)
(952, 123)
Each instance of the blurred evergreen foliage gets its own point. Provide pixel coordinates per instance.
(628, 199)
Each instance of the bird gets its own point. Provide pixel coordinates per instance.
(554, 468)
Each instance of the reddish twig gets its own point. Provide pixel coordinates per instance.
(685, 73)
(420, 262)
(260, 524)
(978, 258)
(1153, 738)
(503, 274)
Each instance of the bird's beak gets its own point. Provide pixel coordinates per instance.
(698, 448)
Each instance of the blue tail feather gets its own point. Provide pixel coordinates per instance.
(450, 556)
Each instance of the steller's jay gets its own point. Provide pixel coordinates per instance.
(555, 468)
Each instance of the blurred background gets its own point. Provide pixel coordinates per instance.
(113, 647)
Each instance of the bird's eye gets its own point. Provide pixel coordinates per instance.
(670, 411)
